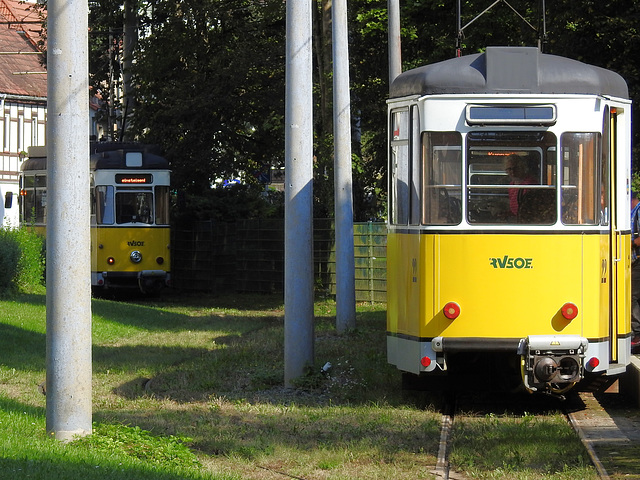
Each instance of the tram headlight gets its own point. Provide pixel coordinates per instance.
(136, 256)
(111, 261)
(159, 260)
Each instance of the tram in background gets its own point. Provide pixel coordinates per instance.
(130, 199)
(509, 231)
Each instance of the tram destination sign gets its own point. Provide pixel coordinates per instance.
(138, 179)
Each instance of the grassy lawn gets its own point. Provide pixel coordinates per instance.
(192, 388)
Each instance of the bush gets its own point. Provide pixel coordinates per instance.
(9, 258)
(21, 261)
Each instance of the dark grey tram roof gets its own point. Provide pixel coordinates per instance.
(509, 70)
(111, 155)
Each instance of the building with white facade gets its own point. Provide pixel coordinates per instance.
(23, 97)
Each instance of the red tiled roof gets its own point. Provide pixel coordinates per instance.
(21, 70)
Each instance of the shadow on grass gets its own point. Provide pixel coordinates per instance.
(251, 365)
(25, 349)
(10, 405)
(252, 431)
(22, 349)
(240, 302)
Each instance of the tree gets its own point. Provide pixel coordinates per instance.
(210, 75)
(210, 83)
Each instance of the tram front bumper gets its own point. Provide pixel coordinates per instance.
(145, 280)
(552, 362)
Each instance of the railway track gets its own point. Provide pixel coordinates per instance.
(595, 427)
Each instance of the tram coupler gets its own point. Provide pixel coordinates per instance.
(552, 363)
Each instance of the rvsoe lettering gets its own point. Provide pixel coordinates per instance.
(511, 262)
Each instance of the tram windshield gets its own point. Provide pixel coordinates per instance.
(134, 207)
(498, 178)
(511, 178)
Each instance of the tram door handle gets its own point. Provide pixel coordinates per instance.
(618, 253)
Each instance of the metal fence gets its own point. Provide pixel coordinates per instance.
(248, 256)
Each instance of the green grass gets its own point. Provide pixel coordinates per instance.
(525, 447)
(192, 388)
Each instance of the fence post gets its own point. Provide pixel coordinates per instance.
(370, 242)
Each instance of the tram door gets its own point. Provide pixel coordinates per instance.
(619, 308)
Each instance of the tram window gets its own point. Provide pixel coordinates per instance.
(581, 185)
(104, 205)
(399, 167)
(511, 178)
(34, 198)
(605, 175)
(415, 170)
(41, 205)
(29, 199)
(442, 178)
(134, 207)
(162, 205)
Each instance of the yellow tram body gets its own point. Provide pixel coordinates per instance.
(118, 243)
(532, 267)
(130, 233)
(529, 290)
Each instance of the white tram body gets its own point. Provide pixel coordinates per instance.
(509, 219)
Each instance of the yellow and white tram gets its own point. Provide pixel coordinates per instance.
(509, 229)
(130, 197)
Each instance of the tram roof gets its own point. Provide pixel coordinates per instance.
(105, 155)
(509, 70)
(112, 155)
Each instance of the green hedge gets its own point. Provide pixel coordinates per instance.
(21, 261)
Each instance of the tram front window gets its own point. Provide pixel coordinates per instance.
(104, 204)
(584, 192)
(442, 178)
(511, 178)
(134, 207)
(162, 205)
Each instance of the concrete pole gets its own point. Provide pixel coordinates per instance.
(68, 214)
(129, 44)
(298, 223)
(345, 262)
(395, 55)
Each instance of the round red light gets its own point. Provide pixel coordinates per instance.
(569, 311)
(593, 362)
(425, 362)
(451, 310)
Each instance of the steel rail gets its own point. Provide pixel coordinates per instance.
(442, 462)
(588, 445)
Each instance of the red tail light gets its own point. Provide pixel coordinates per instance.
(451, 310)
(569, 311)
(425, 361)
